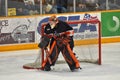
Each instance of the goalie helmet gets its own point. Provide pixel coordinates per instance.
(53, 18)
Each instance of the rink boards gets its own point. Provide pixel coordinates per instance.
(18, 33)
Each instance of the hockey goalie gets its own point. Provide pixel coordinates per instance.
(60, 37)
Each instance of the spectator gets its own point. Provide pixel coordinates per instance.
(50, 9)
(111, 6)
(20, 7)
(2, 7)
(50, 1)
(91, 5)
(61, 6)
(31, 8)
(70, 6)
(81, 8)
(22, 11)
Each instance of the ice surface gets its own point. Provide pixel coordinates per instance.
(11, 66)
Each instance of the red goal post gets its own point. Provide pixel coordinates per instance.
(87, 49)
(83, 42)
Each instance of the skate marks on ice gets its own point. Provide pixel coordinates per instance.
(12, 62)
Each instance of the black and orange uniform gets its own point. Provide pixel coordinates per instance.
(61, 27)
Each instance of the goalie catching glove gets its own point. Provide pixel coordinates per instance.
(44, 43)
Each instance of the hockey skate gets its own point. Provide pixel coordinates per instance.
(47, 68)
(76, 69)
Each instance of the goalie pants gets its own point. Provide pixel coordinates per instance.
(56, 51)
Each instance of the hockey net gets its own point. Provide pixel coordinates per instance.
(87, 39)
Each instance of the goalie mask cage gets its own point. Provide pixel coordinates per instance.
(87, 43)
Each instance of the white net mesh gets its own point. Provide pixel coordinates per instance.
(87, 53)
(36, 64)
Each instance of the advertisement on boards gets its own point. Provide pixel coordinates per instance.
(17, 30)
(83, 30)
(110, 24)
